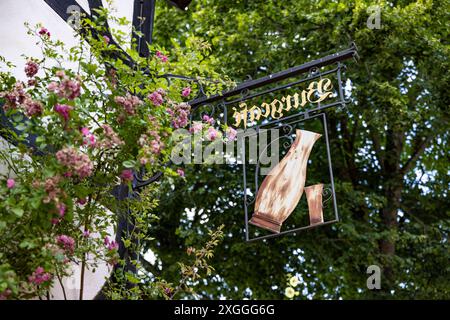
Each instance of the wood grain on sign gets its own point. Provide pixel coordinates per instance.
(314, 198)
(283, 187)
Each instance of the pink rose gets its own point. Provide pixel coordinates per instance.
(33, 108)
(31, 82)
(63, 110)
(61, 209)
(10, 183)
(39, 276)
(231, 134)
(156, 98)
(52, 86)
(110, 245)
(180, 172)
(196, 127)
(44, 32)
(161, 56)
(76, 162)
(67, 88)
(186, 92)
(66, 242)
(60, 74)
(31, 68)
(127, 175)
(208, 119)
(89, 138)
(212, 134)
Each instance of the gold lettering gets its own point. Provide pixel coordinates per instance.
(322, 86)
(276, 110)
(316, 92)
(311, 91)
(288, 99)
(267, 109)
(304, 100)
(325, 85)
(237, 116)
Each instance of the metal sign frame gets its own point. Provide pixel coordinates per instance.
(218, 105)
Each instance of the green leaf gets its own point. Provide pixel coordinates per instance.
(21, 127)
(129, 163)
(17, 211)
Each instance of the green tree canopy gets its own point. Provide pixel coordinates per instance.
(390, 151)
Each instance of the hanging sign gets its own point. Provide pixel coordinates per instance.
(284, 116)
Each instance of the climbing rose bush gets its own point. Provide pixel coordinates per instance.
(93, 127)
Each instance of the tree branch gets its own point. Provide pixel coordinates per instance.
(416, 154)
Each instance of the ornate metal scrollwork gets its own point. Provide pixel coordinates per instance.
(327, 194)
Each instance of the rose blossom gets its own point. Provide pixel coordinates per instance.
(61, 209)
(186, 92)
(44, 32)
(31, 68)
(15, 97)
(156, 98)
(60, 74)
(63, 110)
(5, 294)
(39, 276)
(180, 172)
(78, 163)
(179, 115)
(110, 140)
(10, 183)
(197, 126)
(67, 88)
(129, 103)
(208, 119)
(110, 245)
(52, 86)
(161, 56)
(32, 108)
(212, 134)
(231, 134)
(66, 242)
(51, 186)
(89, 138)
(127, 175)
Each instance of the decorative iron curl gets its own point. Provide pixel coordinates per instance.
(327, 194)
(313, 71)
(244, 93)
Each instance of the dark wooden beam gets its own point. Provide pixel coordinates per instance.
(143, 19)
(60, 7)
